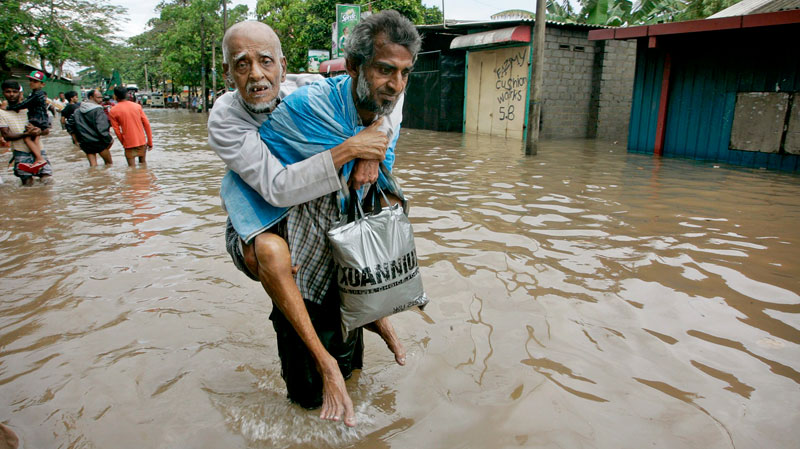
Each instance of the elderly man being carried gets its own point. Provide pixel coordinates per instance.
(312, 136)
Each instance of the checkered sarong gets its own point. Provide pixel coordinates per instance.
(307, 228)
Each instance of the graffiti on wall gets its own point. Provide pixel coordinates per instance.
(497, 89)
(511, 84)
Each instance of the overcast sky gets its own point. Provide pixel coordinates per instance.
(140, 11)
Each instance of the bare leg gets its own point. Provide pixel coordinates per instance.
(8, 439)
(270, 259)
(34, 144)
(92, 158)
(37, 141)
(132, 154)
(384, 328)
(106, 155)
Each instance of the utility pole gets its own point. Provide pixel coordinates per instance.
(204, 95)
(535, 103)
(213, 73)
(146, 78)
(224, 16)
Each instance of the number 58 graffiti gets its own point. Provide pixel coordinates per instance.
(507, 113)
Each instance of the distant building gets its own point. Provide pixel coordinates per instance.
(473, 77)
(725, 89)
(20, 71)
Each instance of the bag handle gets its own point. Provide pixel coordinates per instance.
(373, 197)
(352, 201)
(372, 203)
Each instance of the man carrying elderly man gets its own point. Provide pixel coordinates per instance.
(326, 135)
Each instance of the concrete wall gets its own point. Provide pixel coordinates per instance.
(615, 88)
(567, 89)
(587, 86)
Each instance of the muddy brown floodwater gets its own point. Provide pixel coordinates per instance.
(581, 298)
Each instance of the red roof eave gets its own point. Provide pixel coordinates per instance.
(333, 65)
(696, 26)
(517, 34)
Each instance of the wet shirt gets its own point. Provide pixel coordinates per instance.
(233, 135)
(130, 124)
(69, 110)
(15, 122)
(59, 104)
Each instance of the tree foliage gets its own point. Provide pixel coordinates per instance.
(141, 61)
(302, 25)
(626, 12)
(183, 35)
(52, 32)
(700, 9)
(179, 44)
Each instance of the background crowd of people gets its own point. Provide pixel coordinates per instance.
(89, 122)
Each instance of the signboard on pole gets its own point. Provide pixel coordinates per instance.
(315, 58)
(347, 16)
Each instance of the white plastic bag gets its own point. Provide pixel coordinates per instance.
(376, 263)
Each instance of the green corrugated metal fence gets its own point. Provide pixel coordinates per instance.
(54, 86)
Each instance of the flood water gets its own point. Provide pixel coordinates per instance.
(581, 298)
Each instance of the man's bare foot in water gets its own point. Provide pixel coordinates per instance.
(8, 439)
(336, 403)
(385, 329)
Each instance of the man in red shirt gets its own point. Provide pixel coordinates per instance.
(130, 125)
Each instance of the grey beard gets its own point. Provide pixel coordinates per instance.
(364, 100)
(261, 108)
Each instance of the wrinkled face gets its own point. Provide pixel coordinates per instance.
(380, 82)
(256, 69)
(12, 95)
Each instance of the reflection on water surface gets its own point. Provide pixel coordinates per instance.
(584, 297)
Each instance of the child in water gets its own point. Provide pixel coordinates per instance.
(36, 103)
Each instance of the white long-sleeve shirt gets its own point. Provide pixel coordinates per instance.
(233, 135)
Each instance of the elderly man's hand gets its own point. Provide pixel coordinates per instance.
(364, 172)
